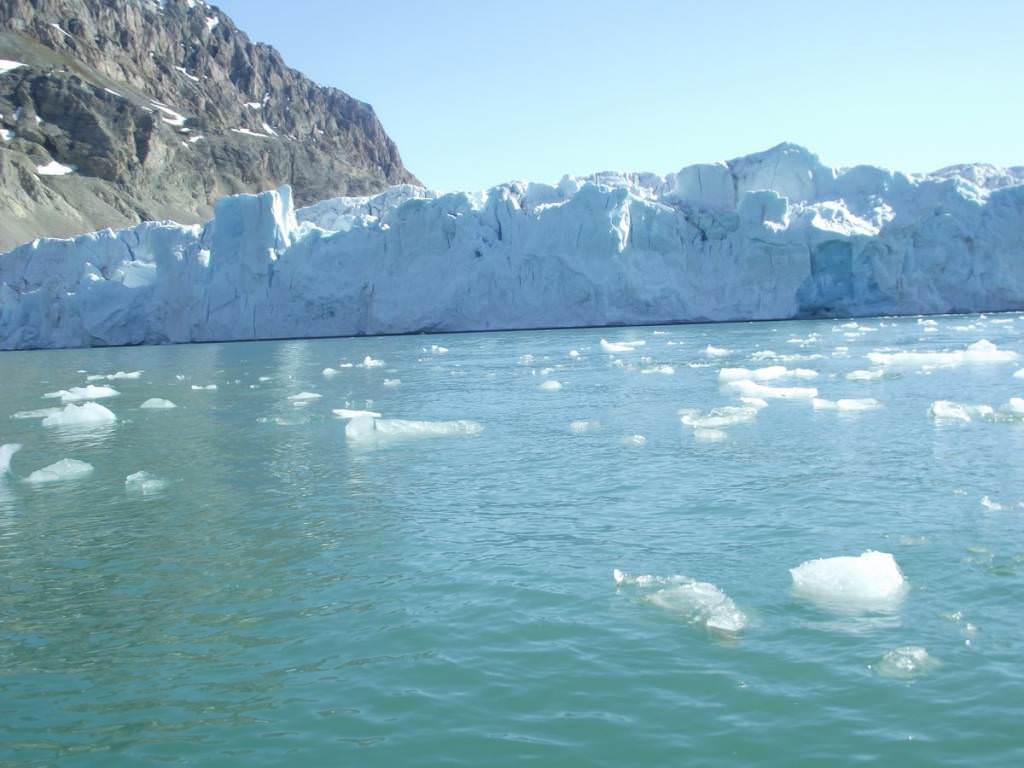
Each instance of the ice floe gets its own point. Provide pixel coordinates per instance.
(370, 362)
(84, 415)
(865, 375)
(158, 403)
(846, 404)
(144, 483)
(620, 347)
(120, 375)
(349, 413)
(710, 351)
(38, 413)
(696, 602)
(982, 351)
(304, 397)
(551, 385)
(78, 394)
(328, 372)
(769, 373)
(666, 370)
(206, 388)
(992, 506)
(7, 452)
(717, 418)
(368, 428)
(392, 382)
(947, 410)
(60, 471)
(635, 440)
(871, 581)
(906, 662)
(583, 425)
(748, 388)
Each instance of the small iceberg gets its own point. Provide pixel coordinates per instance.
(905, 663)
(84, 415)
(870, 581)
(61, 471)
(144, 484)
(7, 452)
(369, 428)
(551, 385)
(78, 394)
(848, 405)
(696, 602)
(710, 351)
(947, 410)
(157, 404)
(718, 418)
(349, 413)
(748, 388)
(620, 347)
(304, 397)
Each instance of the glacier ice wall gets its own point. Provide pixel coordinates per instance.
(771, 235)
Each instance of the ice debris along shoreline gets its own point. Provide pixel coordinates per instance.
(771, 235)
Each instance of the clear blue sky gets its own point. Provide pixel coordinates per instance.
(476, 93)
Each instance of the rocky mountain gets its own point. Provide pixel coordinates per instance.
(116, 111)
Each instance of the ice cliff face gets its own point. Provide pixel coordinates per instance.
(771, 235)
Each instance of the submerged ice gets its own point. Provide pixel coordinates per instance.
(696, 602)
(773, 235)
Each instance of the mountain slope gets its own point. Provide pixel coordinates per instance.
(159, 109)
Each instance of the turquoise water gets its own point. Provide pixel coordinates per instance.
(296, 597)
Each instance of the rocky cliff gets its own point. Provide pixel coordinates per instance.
(116, 111)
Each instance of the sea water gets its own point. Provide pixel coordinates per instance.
(269, 555)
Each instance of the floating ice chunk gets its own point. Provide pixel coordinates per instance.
(1019, 374)
(124, 375)
(620, 347)
(847, 404)
(144, 483)
(991, 506)
(717, 418)
(304, 397)
(369, 362)
(697, 602)
(636, 440)
(438, 350)
(392, 382)
(60, 471)
(368, 428)
(749, 388)
(551, 385)
(78, 394)
(348, 413)
(906, 662)
(710, 435)
(769, 373)
(547, 371)
(865, 375)
(263, 378)
(38, 413)
(872, 580)
(754, 402)
(1015, 406)
(207, 388)
(583, 425)
(710, 351)
(328, 372)
(575, 353)
(158, 403)
(7, 452)
(947, 410)
(666, 370)
(982, 351)
(83, 415)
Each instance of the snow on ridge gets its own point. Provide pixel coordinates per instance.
(53, 168)
(6, 65)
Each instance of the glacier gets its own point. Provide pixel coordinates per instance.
(772, 235)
